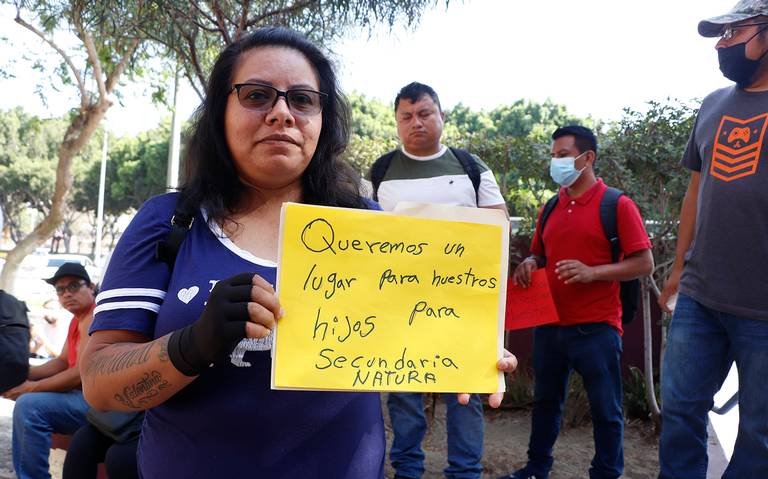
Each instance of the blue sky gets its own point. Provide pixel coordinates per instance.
(594, 56)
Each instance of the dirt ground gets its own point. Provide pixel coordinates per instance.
(506, 442)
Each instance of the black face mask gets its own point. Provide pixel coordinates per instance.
(736, 66)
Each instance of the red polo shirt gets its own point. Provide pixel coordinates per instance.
(574, 231)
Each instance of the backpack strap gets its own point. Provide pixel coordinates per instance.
(378, 170)
(608, 213)
(181, 222)
(549, 206)
(471, 168)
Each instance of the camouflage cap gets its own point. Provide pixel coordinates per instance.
(745, 9)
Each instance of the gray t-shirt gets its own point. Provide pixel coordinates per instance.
(725, 268)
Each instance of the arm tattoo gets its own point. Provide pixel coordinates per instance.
(106, 363)
(137, 396)
(163, 354)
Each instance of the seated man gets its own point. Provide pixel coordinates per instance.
(51, 400)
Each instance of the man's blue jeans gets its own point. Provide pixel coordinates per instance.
(701, 345)
(35, 417)
(465, 435)
(594, 351)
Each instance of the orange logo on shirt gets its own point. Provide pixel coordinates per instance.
(737, 147)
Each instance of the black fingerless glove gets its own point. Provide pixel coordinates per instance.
(217, 331)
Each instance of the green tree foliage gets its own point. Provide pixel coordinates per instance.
(641, 155)
(373, 131)
(526, 117)
(28, 158)
(468, 121)
(98, 42)
(371, 118)
(194, 31)
(95, 43)
(136, 171)
(514, 141)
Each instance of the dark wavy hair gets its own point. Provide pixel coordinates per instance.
(211, 179)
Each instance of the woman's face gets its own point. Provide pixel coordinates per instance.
(272, 148)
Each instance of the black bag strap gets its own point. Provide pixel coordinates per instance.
(467, 161)
(181, 222)
(471, 168)
(549, 206)
(608, 214)
(378, 170)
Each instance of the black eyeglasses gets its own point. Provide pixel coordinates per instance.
(730, 30)
(72, 287)
(259, 97)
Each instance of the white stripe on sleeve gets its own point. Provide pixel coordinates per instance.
(127, 305)
(121, 292)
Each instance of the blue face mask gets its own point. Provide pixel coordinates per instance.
(563, 171)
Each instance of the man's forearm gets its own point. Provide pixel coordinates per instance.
(48, 369)
(66, 380)
(635, 266)
(539, 260)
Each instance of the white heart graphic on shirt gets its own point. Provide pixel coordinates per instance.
(186, 294)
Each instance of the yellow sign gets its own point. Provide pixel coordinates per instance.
(378, 301)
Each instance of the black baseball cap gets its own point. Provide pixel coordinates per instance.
(69, 269)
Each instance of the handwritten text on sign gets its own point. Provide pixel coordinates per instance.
(376, 301)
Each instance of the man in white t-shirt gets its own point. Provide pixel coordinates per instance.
(426, 171)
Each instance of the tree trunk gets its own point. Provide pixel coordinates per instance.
(650, 393)
(78, 133)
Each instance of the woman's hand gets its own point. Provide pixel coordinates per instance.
(506, 364)
(242, 306)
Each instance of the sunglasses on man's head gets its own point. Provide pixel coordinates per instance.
(72, 287)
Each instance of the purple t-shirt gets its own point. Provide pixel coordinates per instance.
(228, 422)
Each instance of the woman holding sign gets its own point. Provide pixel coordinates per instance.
(190, 342)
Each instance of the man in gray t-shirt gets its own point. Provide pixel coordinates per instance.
(722, 309)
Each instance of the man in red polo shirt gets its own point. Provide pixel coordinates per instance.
(51, 399)
(585, 287)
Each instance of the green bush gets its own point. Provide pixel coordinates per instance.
(576, 412)
(519, 394)
(635, 403)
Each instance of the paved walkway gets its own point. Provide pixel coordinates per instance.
(724, 428)
(722, 433)
(6, 427)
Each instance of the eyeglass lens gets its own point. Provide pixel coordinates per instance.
(730, 30)
(71, 287)
(258, 97)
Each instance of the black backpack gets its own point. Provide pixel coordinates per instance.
(629, 292)
(381, 165)
(14, 341)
